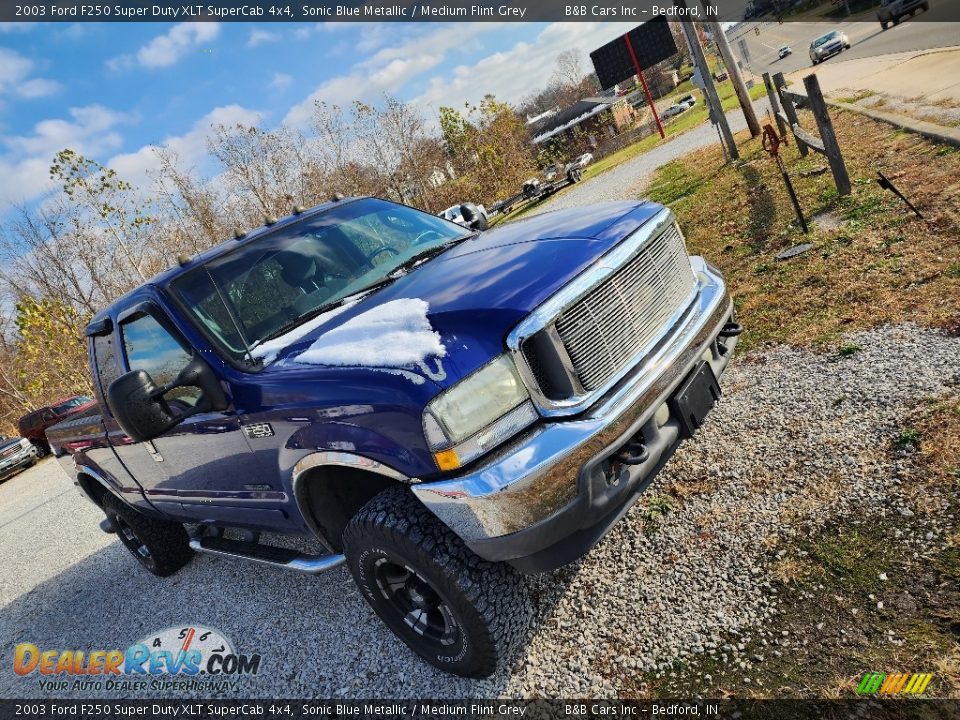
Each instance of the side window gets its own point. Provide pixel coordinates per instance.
(149, 346)
(108, 364)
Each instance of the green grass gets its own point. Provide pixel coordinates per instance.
(908, 437)
(849, 349)
(691, 118)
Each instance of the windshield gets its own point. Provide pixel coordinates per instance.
(274, 283)
(70, 404)
(825, 38)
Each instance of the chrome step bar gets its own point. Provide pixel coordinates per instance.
(267, 555)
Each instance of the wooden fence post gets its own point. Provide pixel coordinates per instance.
(789, 110)
(830, 146)
(774, 104)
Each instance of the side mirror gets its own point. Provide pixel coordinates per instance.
(140, 408)
(472, 216)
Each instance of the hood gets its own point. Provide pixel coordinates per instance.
(475, 293)
(8, 443)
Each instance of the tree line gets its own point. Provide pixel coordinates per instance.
(97, 236)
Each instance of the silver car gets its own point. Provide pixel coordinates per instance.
(16, 454)
(826, 45)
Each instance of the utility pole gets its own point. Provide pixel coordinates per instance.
(709, 91)
(733, 70)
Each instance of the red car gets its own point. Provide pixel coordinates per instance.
(33, 425)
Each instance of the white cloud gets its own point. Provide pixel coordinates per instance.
(25, 164)
(521, 70)
(190, 148)
(261, 37)
(15, 80)
(12, 27)
(388, 69)
(280, 81)
(166, 50)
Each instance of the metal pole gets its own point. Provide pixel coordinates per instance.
(643, 81)
(709, 91)
(733, 70)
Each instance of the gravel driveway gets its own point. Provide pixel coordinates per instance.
(799, 440)
(627, 180)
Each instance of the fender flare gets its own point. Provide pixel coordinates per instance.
(334, 458)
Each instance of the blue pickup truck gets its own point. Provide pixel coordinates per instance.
(442, 409)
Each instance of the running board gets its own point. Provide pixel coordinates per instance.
(267, 555)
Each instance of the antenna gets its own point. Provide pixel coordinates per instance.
(233, 318)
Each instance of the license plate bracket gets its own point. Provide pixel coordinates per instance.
(695, 398)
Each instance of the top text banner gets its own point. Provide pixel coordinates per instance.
(431, 11)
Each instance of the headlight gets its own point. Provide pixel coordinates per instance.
(24, 443)
(477, 414)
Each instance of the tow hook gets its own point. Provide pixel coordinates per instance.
(633, 453)
(731, 329)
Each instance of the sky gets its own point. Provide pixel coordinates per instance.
(115, 91)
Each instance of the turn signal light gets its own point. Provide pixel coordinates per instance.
(447, 459)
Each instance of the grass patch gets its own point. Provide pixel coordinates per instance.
(908, 437)
(849, 349)
(879, 265)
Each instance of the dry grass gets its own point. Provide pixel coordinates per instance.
(938, 427)
(879, 264)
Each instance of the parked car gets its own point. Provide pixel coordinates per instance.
(469, 215)
(891, 11)
(34, 424)
(720, 76)
(551, 173)
(829, 44)
(688, 100)
(584, 159)
(784, 52)
(474, 406)
(16, 454)
(674, 110)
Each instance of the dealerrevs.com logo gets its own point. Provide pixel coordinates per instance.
(178, 658)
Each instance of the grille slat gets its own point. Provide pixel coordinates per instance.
(612, 323)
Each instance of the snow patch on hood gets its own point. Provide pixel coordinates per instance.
(393, 335)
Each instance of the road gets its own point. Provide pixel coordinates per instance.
(925, 31)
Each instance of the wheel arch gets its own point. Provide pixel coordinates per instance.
(331, 487)
(93, 487)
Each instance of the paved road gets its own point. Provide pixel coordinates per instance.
(927, 30)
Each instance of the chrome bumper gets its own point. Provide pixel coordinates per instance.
(539, 475)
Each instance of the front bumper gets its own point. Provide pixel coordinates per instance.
(20, 459)
(546, 498)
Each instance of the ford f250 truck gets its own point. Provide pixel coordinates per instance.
(442, 409)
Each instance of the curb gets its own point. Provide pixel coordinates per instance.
(932, 131)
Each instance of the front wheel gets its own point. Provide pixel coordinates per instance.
(42, 449)
(160, 546)
(460, 613)
(883, 25)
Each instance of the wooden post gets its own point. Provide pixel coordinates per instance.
(733, 70)
(709, 91)
(789, 110)
(774, 104)
(830, 146)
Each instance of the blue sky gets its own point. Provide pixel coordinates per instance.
(115, 91)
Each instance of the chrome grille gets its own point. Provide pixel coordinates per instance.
(606, 328)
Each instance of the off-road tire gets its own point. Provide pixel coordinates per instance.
(883, 25)
(487, 602)
(42, 449)
(166, 542)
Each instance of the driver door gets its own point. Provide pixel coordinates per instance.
(203, 468)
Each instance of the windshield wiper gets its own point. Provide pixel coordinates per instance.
(309, 315)
(425, 255)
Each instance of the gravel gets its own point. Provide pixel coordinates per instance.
(769, 466)
(628, 180)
